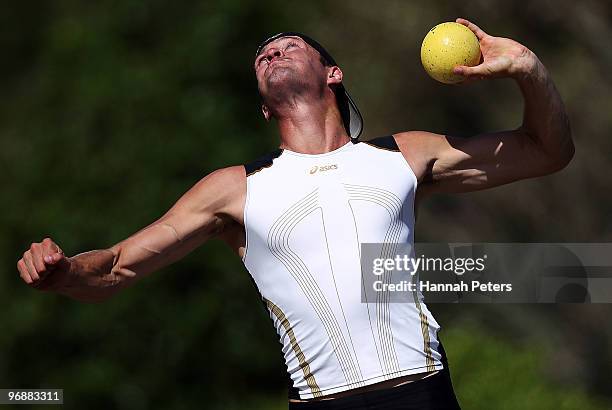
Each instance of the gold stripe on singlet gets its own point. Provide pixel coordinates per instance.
(310, 379)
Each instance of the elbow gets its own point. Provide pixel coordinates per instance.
(561, 159)
(566, 145)
(566, 155)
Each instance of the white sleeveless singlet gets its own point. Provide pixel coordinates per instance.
(305, 216)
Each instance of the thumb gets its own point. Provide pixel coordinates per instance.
(58, 269)
(57, 259)
(467, 71)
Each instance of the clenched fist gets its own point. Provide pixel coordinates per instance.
(44, 266)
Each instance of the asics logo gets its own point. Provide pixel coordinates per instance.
(322, 168)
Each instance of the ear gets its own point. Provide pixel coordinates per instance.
(334, 75)
(265, 111)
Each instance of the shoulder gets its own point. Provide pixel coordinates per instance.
(420, 149)
(215, 198)
(224, 177)
(217, 190)
(416, 139)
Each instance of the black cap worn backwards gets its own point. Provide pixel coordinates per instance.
(353, 121)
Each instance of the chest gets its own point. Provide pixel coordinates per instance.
(330, 198)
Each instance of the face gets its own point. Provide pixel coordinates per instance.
(289, 66)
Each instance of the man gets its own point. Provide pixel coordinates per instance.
(297, 217)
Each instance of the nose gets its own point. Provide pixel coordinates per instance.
(272, 53)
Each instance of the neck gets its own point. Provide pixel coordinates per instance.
(313, 127)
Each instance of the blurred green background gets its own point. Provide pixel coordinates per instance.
(110, 111)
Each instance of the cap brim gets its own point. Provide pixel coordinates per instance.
(355, 118)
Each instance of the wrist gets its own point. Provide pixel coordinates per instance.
(530, 69)
(72, 268)
(67, 275)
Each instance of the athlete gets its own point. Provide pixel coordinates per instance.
(297, 216)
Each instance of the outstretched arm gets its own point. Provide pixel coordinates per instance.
(541, 145)
(206, 210)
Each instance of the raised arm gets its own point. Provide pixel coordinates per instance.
(209, 208)
(541, 145)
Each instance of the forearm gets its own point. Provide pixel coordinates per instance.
(91, 277)
(545, 120)
(97, 275)
(197, 216)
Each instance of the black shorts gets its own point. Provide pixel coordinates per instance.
(433, 392)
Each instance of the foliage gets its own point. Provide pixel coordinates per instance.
(112, 110)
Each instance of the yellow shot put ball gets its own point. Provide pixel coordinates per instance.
(448, 45)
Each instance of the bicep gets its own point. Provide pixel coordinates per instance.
(456, 164)
(200, 214)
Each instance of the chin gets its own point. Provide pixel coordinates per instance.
(285, 81)
(280, 76)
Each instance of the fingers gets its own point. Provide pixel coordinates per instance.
(480, 34)
(49, 246)
(39, 260)
(27, 259)
(50, 250)
(24, 272)
(36, 254)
